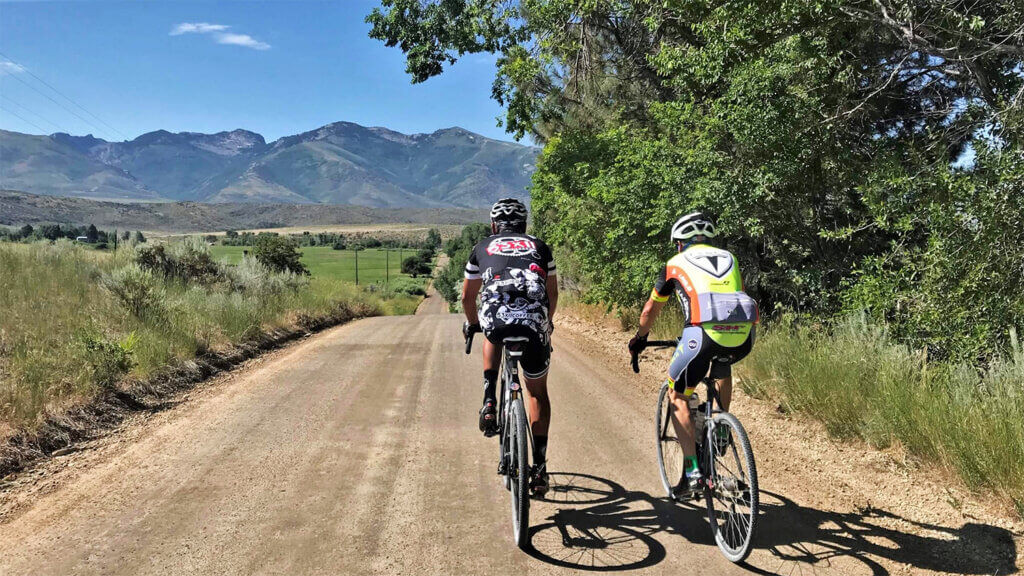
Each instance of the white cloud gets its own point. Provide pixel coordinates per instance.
(7, 67)
(220, 34)
(199, 27)
(242, 40)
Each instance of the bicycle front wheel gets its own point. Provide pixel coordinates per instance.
(519, 475)
(670, 455)
(732, 497)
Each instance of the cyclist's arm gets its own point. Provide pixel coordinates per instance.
(470, 289)
(663, 289)
(552, 287)
(649, 314)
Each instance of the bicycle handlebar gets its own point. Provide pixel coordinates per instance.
(469, 342)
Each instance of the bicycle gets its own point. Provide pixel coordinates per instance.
(733, 488)
(516, 438)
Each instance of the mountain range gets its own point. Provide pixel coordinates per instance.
(340, 163)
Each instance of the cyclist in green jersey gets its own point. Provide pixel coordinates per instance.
(719, 329)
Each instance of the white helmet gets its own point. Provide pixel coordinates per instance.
(691, 225)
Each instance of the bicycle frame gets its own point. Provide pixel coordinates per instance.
(511, 389)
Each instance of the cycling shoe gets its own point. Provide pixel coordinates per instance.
(539, 481)
(488, 419)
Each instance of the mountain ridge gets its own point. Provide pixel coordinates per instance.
(339, 163)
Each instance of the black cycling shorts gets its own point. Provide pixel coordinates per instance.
(536, 353)
(697, 353)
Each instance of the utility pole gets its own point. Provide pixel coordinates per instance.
(357, 266)
(387, 265)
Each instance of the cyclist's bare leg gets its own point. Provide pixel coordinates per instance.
(686, 433)
(538, 405)
(492, 355)
(724, 386)
(488, 413)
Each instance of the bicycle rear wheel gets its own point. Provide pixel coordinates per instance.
(519, 474)
(670, 455)
(732, 498)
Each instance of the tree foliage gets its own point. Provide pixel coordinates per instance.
(279, 254)
(448, 280)
(832, 139)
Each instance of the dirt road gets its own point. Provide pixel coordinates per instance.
(357, 452)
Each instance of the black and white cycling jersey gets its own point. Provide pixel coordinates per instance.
(514, 269)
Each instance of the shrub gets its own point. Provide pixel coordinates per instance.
(251, 276)
(135, 288)
(192, 262)
(408, 287)
(188, 261)
(415, 265)
(108, 359)
(279, 253)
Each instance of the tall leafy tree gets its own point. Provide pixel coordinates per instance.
(831, 138)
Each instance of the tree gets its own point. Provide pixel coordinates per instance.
(279, 253)
(139, 238)
(51, 231)
(25, 231)
(126, 235)
(92, 234)
(434, 238)
(823, 136)
(415, 265)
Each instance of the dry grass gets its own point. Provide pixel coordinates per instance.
(861, 384)
(66, 331)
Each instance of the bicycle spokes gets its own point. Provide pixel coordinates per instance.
(732, 495)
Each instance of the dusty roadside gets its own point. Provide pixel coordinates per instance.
(844, 498)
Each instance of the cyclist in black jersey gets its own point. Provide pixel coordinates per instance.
(514, 275)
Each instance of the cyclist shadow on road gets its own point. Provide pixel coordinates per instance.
(795, 534)
(598, 525)
(608, 528)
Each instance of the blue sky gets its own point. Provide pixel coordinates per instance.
(277, 68)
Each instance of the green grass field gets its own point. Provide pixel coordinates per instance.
(326, 262)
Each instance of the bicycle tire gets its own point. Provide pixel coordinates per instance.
(519, 470)
(504, 448)
(670, 455)
(733, 532)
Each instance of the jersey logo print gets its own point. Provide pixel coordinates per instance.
(718, 263)
(509, 246)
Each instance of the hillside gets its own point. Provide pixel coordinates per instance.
(341, 163)
(42, 163)
(17, 208)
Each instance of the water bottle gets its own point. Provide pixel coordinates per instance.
(696, 415)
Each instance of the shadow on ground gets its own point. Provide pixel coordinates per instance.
(601, 526)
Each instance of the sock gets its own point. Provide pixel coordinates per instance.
(540, 449)
(490, 382)
(691, 464)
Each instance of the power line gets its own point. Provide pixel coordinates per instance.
(36, 114)
(30, 123)
(48, 97)
(47, 84)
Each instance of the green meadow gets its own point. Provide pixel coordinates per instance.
(375, 264)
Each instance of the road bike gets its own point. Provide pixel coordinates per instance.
(726, 463)
(516, 439)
